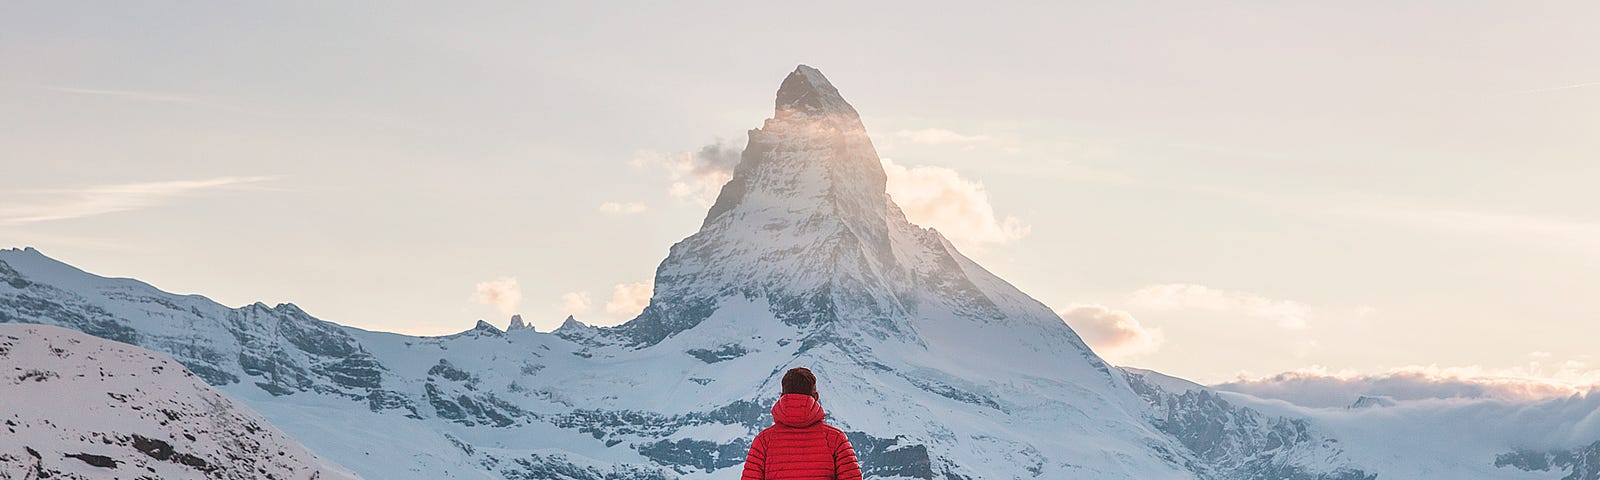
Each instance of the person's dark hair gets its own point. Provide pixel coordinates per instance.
(800, 380)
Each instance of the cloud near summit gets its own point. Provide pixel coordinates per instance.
(935, 197)
(696, 176)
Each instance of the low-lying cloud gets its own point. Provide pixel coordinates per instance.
(1319, 388)
(1114, 334)
(629, 299)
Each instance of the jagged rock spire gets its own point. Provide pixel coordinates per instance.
(807, 90)
(518, 324)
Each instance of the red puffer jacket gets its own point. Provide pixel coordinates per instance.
(798, 446)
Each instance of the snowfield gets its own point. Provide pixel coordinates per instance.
(80, 407)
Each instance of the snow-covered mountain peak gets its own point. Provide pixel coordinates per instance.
(806, 230)
(806, 90)
(806, 226)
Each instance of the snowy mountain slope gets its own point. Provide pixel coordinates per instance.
(487, 403)
(934, 366)
(1458, 437)
(76, 406)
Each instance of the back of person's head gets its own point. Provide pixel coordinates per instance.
(800, 380)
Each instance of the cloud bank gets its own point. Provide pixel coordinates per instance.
(1317, 387)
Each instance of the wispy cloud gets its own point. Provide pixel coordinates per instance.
(42, 205)
(1287, 314)
(1573, 233)
(232, 105)
(938, 136)
(621, 208)
(1561, 87)
(134, 95)
(185, 99)
(1552, 231)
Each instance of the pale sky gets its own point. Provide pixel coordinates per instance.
(1206, 190)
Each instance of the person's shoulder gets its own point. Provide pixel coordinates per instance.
(766, 431)
(834, 433)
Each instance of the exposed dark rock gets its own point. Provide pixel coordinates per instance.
(449, 372)
(891, 457)
(697, 454)
(101, 461)
(1582, 463)
(722, 353)
(163, 451)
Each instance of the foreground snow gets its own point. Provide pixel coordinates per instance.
(76, 407)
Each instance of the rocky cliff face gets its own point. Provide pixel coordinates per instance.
(1581, 463)
(935, 367)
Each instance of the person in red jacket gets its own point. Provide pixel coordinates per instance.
(798, 445)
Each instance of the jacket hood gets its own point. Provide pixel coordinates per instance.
(797, 410)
